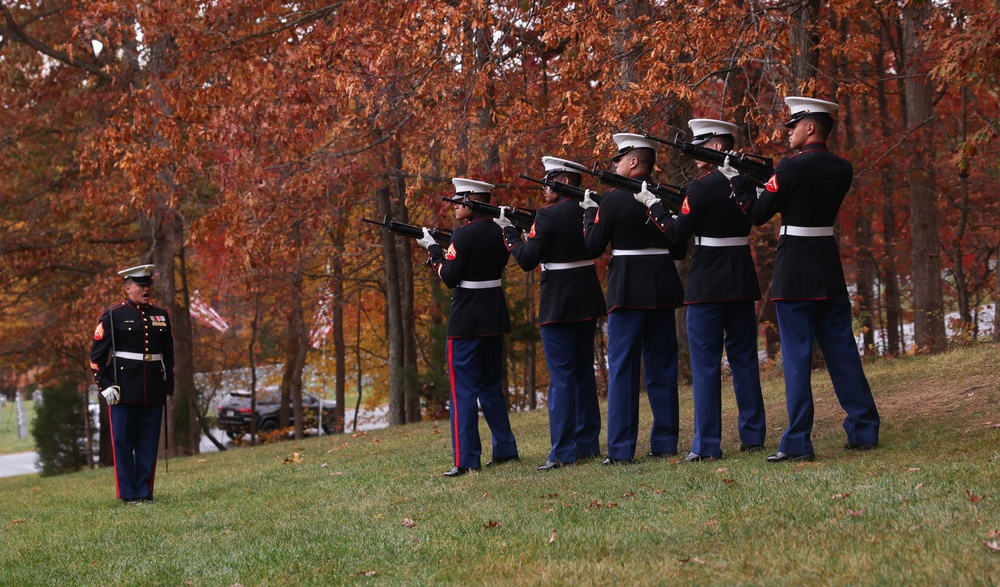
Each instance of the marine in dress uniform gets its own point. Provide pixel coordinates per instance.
(571, 303)
(809, 289)
(720, 294)
(643, 290)
(472, 267)
(132, 358)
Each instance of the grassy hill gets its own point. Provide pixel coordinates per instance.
(372, 508)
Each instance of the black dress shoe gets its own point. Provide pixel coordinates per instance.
(613, 461)
(456, 471)
(660, 455)
(868, 446)
(780, 457)
(502, 460)
(552, 465)
(693, 457)
(751, 447)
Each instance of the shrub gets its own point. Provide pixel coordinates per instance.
(59, 430)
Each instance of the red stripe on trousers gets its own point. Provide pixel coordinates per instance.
(454, 405)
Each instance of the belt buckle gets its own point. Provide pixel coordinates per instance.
(147, 357)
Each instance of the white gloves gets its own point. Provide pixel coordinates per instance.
(502, 221)
(760, 191)
(587, 202)
(645, 198)
(727, 170)
(112, 394)
(427, 240)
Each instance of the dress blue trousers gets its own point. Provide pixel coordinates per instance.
(709, 326)
(135, 440)
(574, 414)
(829, 323)
(648, 338)
(474, 368)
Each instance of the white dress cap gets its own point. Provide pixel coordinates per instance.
(557, 165)
(141, 274)
(628, 141)
(470, 186)
(705, 129)
(801, 107)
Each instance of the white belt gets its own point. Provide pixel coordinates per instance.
(806, 230)
(638, 252)
(567, 265)
(729, 241)
(139, 356)
(479, 284)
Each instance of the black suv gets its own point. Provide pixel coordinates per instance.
(234, 412)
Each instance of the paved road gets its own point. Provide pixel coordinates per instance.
(19, 463)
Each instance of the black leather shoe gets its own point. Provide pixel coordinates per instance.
(552, 465)
(611, 461)
(693, 457)
(751, 447)
(869, 446)
(780, 457)
(456, 471)
(502, 460)
(660, 455)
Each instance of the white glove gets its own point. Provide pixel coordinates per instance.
(645, 198)
(112, 394)
(727, 170)
(760, 191)
(587, 202)
(427, 240)
(502, 221)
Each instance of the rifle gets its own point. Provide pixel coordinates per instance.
(564, 189)
(758, 169)
(670, 196)
(441, 235)
(522, 218)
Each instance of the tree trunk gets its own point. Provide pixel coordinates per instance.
(411, 391)
(394, 314)
(928, 299)
(339, 346)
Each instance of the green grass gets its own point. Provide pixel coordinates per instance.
(9, 442)
(331, 510)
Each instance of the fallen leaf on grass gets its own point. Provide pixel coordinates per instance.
(550, 496)
(692, 559)
(628, 494)
(19, 521)
(491, 524)
(408, 523)
(487, 495)
(324, 465)
(293, 458)
(377, 440)
(202, 460)
(358, 435)
(913, 469)
(918, 486)
(855, 513)
(713, 523)
(597, 504)
(992, 545)
(368, 573)
(721, 470)
(840, 496)
(730, 481)
(552, 538)
(993, 534)
(975, 498)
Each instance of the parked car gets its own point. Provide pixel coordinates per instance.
(235, 418)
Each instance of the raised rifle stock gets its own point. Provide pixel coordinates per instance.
(564, 189)
(441, 235)
(522, 218)
(758, 169)
(670, 196)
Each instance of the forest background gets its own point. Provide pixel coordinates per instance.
(237, 145)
